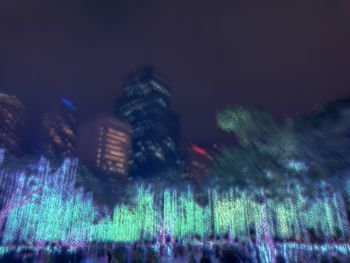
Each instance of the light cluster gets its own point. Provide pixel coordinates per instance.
(45, 205)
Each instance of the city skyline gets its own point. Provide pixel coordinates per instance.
(37, 111)
(239, 53)
(174, 131)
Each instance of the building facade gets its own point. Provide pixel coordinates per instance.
(60, 131)
(145, 105)
(12, 114)
(199, 159)
(105, 143)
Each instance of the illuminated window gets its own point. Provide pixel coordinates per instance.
(113, 142)
(116, 137)
(113, 157)
(116, 132)
(57, 140)
(160, 88)
(121, 154)
(114, 147)
(67, 130)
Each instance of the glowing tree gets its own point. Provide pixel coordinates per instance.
(254, 174)
(324, 140)
(24, 188)
(164, 185)
(61, 211)
(257, 129)
(324, 145)
(261, 166)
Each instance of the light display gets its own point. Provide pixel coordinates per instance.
(45, 205)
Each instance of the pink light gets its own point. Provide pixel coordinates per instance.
(199, 150)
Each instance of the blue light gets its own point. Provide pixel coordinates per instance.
(68, 103)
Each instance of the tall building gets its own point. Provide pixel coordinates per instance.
(105, 143)
(199, 159)
(145, 104)
(12, 131)
(60, 130)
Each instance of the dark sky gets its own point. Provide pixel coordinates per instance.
(287, 56)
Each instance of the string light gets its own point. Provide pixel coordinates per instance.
(48, 207)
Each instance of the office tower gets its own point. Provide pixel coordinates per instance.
(12, 114)
(145, 104)
(105, 143)
(199, 159)
(60, 130)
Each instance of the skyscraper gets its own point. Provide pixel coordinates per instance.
(145, 104)
(11, 123)
(105, 143)
(60, 130)
(199, 159)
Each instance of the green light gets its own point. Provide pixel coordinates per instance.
(61, 212)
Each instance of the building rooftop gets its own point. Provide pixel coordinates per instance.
(11, 100)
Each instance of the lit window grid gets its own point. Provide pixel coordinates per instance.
(116, 137)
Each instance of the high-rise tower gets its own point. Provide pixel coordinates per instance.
(145, 104)
(11, 123)
(60, 128)
(104, 143)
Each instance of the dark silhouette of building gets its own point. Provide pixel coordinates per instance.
(145, 104)
(12, 126)
(199, 159)
(105, 143)
(60, 131)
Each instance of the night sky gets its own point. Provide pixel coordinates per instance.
(287, 56)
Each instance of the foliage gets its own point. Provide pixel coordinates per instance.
(310, 150)
(265, 163)
(255, 128)
(251, 172)
(324, 141)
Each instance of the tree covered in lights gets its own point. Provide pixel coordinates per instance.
(324, 141)
(108, 188)
(259, 167)
(316, 144)
(62, 210)
(288, 142)
(257, 129)
(309, 153)
(173, 179)
(249, 171)
(324, 146)
(19, 188)
(268, 154)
